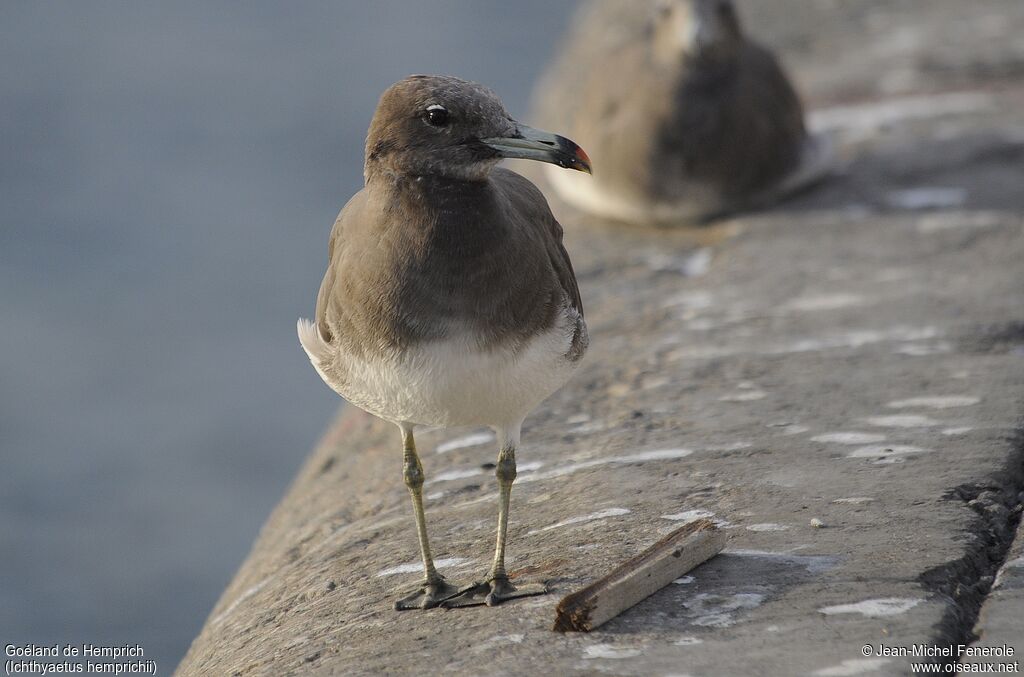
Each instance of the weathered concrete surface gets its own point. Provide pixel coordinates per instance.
(854, 357)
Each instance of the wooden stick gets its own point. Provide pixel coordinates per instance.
(640, 577)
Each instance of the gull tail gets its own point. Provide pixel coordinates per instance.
(314, 344)
(818, 159)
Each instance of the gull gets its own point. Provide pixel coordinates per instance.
(449, 299)
(688, 117)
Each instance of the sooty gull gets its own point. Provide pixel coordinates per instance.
(687, 118)
(449, 299)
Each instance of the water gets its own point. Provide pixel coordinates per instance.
(168, 176)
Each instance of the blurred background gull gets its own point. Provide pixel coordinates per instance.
(170, 174)
(687, 116)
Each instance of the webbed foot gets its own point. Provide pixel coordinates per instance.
(492, 593)
(428, 596)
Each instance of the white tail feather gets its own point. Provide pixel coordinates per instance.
(313, 343)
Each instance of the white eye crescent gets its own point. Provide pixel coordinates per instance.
(436, 115)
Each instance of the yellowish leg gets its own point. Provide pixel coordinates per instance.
(435, 589)
(506, 473)
(497, 587)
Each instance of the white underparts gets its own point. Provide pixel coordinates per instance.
(699, 200)
(450, 382)
(583, 192)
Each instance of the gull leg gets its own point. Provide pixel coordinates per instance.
(435, 589)
(497, 587)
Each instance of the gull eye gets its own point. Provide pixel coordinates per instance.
(436, 115)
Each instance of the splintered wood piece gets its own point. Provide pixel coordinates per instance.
(639, 577)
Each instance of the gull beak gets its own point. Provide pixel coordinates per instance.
(533, 144)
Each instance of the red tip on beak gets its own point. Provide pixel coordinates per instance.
(583, 160)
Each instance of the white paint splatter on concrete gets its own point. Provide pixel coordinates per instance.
(719, 611)
(609, 651)
(488, 645)
(823, 302)
(654, 455)
(744, 396)
(731, 446)
(885, 450)
(874, 608)
(927, 197)
(515, 638)
(849, 438)
(413, 567)
(850, 667)
(688, 640)
(787, 428)
(538, 603)
(656, 382)
(685, 580)
(957, 431)
(813, 564)
(698, 263)
(688, 516)
(456, 474)
(463, 473)
(936, 402)
(695, 264)
(902, 421)
(599, 515)
(641, 457)
(464, 441)
(924, 349)
(586, 428)
(486, 498)
(852, 339)
(855, 339)
(767, 526)
(854, 499)
(864, 120)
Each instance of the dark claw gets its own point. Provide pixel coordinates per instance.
(429, 595)
(492, 593)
